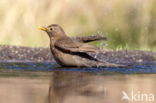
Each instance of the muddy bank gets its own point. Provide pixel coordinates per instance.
(18, 54)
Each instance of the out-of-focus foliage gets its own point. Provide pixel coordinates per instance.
(127, 23)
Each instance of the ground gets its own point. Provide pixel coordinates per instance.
(21, 54)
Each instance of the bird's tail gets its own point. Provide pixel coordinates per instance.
(106, 64)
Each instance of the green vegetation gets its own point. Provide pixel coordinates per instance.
(128, 24)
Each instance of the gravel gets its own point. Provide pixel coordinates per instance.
(22, 54)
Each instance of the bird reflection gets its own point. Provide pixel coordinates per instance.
(74, 84)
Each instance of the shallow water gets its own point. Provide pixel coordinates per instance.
(47, 66)
(29, 83)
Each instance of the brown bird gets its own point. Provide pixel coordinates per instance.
(70, 52)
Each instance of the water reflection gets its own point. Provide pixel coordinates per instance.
(83, 87)
(29, 83)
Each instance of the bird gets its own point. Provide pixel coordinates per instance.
(69, 52)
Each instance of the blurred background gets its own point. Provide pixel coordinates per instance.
(128, 24)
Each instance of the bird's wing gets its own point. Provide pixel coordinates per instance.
(74, 46)
(86, 39)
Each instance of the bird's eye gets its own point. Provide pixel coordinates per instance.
(51, 29)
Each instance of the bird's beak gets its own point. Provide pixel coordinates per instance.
(42, 28)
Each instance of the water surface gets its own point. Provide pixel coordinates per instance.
(29, 83)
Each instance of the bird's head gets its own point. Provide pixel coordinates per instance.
(53, 31)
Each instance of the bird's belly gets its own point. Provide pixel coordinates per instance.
(64, 59)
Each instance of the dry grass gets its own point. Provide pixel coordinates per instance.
(129, 23)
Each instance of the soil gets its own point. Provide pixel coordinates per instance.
(21, 54)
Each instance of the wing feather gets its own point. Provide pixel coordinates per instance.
(74, 46)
